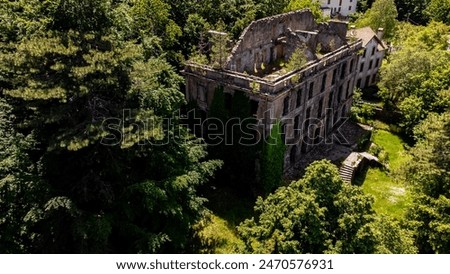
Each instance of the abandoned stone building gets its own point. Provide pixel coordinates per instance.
(309, 100)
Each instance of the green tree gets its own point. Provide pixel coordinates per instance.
(318, 214)
(392, 236)
(416, 76)
(412, 10)
(314, 6)
(21, 191)
(439, 10)
(382, 14)
(428, 172)
(122, 180)
(266, 8)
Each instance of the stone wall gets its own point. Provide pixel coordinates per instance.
(263, 40)
(270, 39)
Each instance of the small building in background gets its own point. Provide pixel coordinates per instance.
(371, 59)
(340, 7)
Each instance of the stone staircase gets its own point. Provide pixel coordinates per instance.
(347, 172)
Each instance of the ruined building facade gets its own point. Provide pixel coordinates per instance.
(309, 101)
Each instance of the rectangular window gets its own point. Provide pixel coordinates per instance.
(283, 133)
(330, 100)
(228, 101)
(324, 82)
(370, 64)
(254, 106)
(343, 70)
(286, 106)
(319, 112)
(377, 63)
(373, 50)
(329, 2)
(339, 10)
(299, 98)
(367, 81)
(365, 53)
(307, 121)
(358, 83)
(349, 7)
(334, 77)
(296, 125)
(374, 78)
(339, 99)
(311, 90)
(351, 65)
(340, 2)
(362, 67)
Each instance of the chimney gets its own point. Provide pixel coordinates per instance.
(380, 33)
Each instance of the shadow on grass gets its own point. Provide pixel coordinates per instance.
(229, 205)
(361, 176)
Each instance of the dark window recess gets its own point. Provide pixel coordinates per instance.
(352, 63)
(358, 83)
(373, 51)
(293, 155)
(311, 90)
(344, 112)
(343, 70)
(339, 99)
(330, 100)
(283, 133)
(299, 98)
(304, 147)
(370, 64)
(334, 77)
(361, 68)
(319, 112)
(307, 121)
(324, 82)
(367, 81)
(377, 63)
(374, 78)
(365, 53)
(228, 101)
(317, 138)
(296, 126)
(254, 105)
(286, 106)
(203, 115)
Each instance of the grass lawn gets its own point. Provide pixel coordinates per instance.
(391, 196)
(229, 209)
(219, 237)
